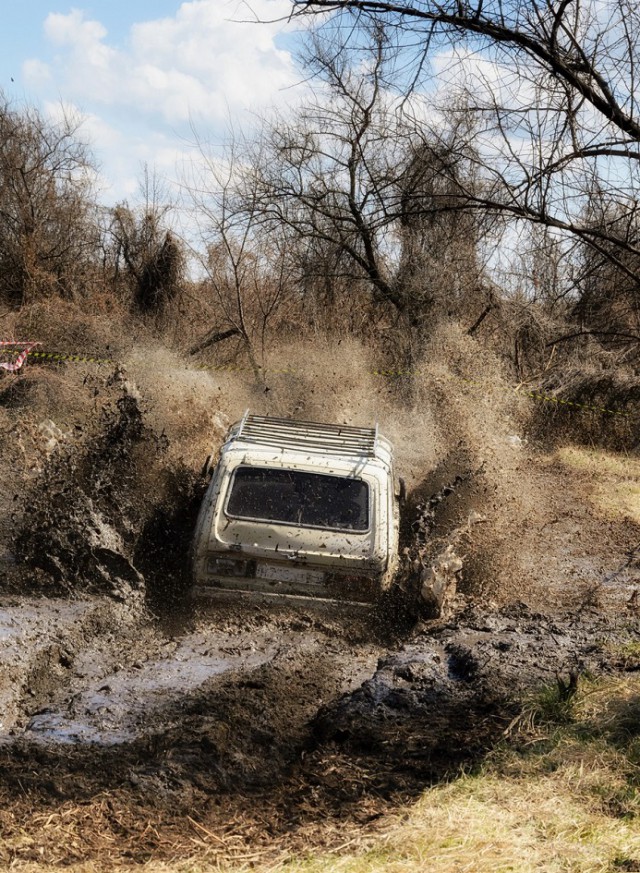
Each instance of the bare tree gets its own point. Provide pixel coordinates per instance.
(330, 172)
(440, 265)
(248, 266)
(608, 303)
(145, 251)
(48, 231)
(554, 86)
(352, 175)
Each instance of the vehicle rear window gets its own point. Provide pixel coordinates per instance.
(299, 498)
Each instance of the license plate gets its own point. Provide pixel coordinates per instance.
(288, 574)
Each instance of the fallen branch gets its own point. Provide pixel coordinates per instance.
(214, 337)
(611, 333)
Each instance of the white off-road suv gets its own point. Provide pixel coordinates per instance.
(298, 510)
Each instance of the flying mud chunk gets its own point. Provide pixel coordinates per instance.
(81, 518)
(438, 581)
(298, 510)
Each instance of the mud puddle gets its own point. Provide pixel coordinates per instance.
(282, 723)
(73, 673)
(122, 705)
(39, 642)
(151, 696)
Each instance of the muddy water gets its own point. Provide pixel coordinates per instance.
(36, 637)
(97, 696)
(121, 705)
(90, 672)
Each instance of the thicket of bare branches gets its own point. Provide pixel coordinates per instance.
(48, 231)
(501, 194)
(553, 84)
(542, 106)
(370, 204)
(148, 257)
(249, 268)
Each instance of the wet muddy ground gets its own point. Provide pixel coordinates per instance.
(287, 719)
(140, 724)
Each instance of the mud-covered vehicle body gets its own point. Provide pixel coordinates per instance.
(298, 509)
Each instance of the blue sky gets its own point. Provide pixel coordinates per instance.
(23, 32)
(142, 73)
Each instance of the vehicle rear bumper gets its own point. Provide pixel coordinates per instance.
(201, 594)
(292, 583)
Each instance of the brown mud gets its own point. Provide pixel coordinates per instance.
(140, 724)
(289, 725)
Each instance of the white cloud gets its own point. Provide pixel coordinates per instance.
(73, 29)
(461, 70)
(205, 60)
(124, 153)
(36, 73)
(206, 67)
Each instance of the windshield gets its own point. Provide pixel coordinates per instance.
(299, 498)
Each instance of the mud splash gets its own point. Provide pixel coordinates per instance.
(107, 514)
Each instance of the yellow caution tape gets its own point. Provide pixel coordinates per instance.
(385, 373)
(225, 368)
(549, 398)
(77, 359)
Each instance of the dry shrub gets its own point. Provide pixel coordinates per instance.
(591, 384)
(101, 330)
(590, 405)
(518, 332)
(188, 319)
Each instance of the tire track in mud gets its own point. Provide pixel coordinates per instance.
(267, 728)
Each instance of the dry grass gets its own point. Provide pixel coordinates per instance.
(611, 480)
(566, 800)
(562, 798)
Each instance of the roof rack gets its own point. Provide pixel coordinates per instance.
(309, 436)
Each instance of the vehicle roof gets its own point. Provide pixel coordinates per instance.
(322, 440)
